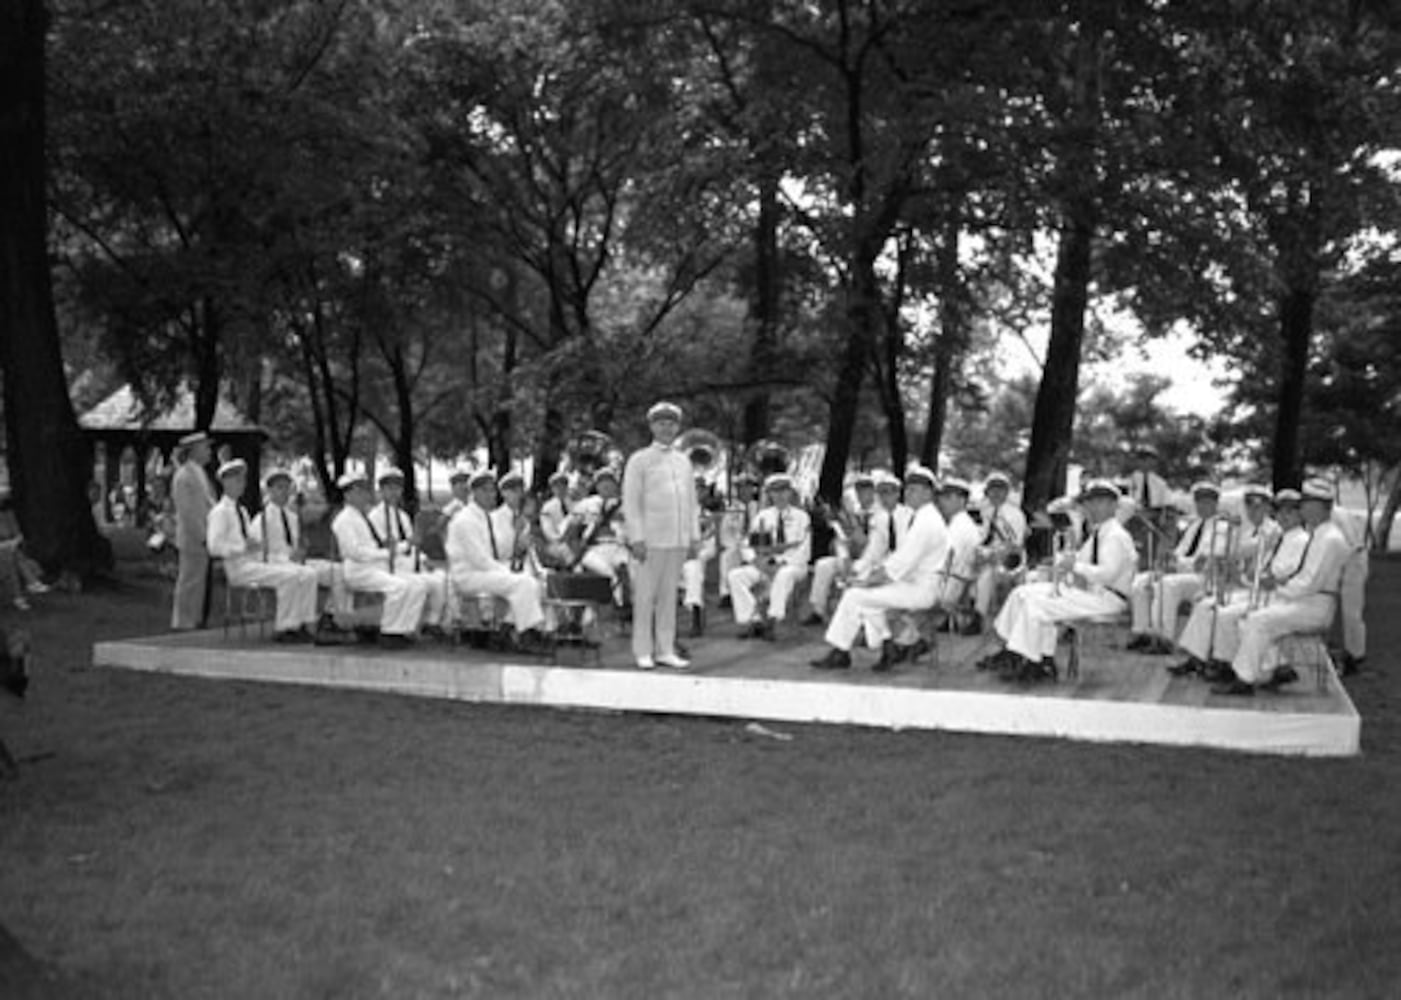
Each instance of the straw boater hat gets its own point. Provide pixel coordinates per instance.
(1099, 488)
(275, 475)
(664, 411)
(481, 477)
(390, 474)
(1204, 488)
(1317, 489)
(919, 475)
(193, 438)
(511, 480)
(233, 467)
(350, 479)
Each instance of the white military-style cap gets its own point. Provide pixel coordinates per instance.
(997, 479)
(664, 411)
(607, 472)
(193, 438)
(1099, 488)
(918, 474)
(278, 473)
(1317, 488)
(779, 481)
(390, 474)
(232, 467)
(460, 474)
(511, 480)
(481, 477)
(953, 484)
(349, 479)
(1256, 491)
(885, 480)
(1204, 488)
(1287, 496)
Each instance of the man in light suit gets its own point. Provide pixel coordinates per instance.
(366, 564)
(663, 531)
(194, 499)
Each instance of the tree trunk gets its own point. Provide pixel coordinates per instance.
(861, 313)
(49, 461)
(948, 349)
(207, 365)
(403, 440)
(1296, 331)
(1053, 422)
(767, 287)
(1382, 535)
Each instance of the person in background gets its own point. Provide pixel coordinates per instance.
(22, 573)
(194, 499)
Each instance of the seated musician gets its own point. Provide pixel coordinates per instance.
(1001, 549)
(514, 529)
(909, 578)
(280, 528)
(369, 565)
(1305, 601)
(735, 529)
(1146, 488)
(856, 529)
(1352, 589)
(709, 510)
(556, 509)
(479, 561)
(1089, 583)
(231, 537)
(395, 527)
(598, 522)
(1157, 596)
(1212, 633)
(1258, 528)
(458, 483)
(778, 552)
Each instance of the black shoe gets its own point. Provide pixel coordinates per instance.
(394, 640)
(1137, 642)
(1186, 668)
(915, 651)
(765, 631)
(327, 634)
(1217, 672)
(997, 660)
(682, 650)
(1350, 666)
(697, 621)
(1235, 687)
(1284, 675)
(813, 619)
(1046, 670)
(434, 632)
(889, 656)
(1157, 646)
(292, 637)
(836, 659)
(725, 604)
(972, 625)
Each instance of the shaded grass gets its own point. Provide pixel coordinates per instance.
(197, 838)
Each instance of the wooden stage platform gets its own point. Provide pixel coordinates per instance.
(1119, 696)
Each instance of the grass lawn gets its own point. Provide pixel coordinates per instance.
(208, 839)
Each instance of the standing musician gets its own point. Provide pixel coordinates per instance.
(1306, 600)
(778, 551)
(1212, 633)
(598, 522)
(856, 529)
(1096, 582)
(1158, 595)
(232, 538)
(1153, 500)
(734, 530)
(279, 528)
(1002, 548)
(479, 561)
(395, 527)
(908, 578)
(368, 565)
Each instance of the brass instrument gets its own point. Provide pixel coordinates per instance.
(1061, 543)
(767, 458)
(701, 447)
(593, 450)
(1001, 551)
(1259, 597)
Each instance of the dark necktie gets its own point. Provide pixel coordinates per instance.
(491, 531)
(373, 533)
(391, 522)
(891, 529)
(242, 524)
(1147, 497)
(286, 527)
(1094, 549)
(1302, 558)
(781, 539)
(1196, 539)
(865, 523)
(991, 535)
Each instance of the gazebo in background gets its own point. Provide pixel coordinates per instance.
(123, 434)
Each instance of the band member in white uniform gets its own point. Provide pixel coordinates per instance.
(366, 561)
(396, 528)
(867, 518)
(1307, 600)
(1147, 489)
(459, 482)
(782, 560)
(1212, 633)
(693, 569)
(605, 537)
(907, 579)
(279, 528)
(479, 559)
(1157, 597)
(232, 539)
(1352, 589)
(554, 510)
(660, 511)
(193, 497)
(1097, 581)
(734, 531)
(1003, 537)
(1258, 529)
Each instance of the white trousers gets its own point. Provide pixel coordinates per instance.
(985, 587)
(693, 581)
(1200, 640)
(295, 586)
(1257, 657)
(607, 559)
(743, 580)
(730, 559)
(435, 589)
(1033, 613)
(824, 573)
(867, 607)
(520, 590)
(330, 576)
(1353, 595)
(1151, 618)
(404, 596)
(654, 602)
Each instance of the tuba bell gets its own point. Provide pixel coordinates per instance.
(701, 447)
(767, 458)
(591, 451)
